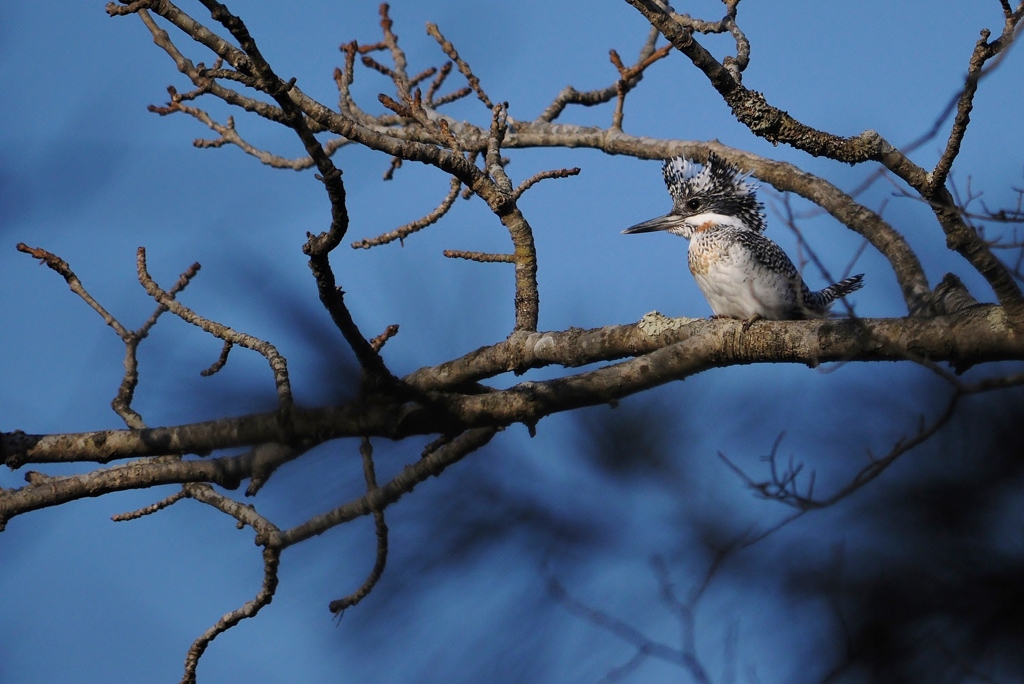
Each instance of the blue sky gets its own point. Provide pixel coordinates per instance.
(87, 173)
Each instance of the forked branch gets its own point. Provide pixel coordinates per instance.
(278, 364)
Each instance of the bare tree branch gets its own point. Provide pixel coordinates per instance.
(630, 78)
(381, 529)
(271, 560)
(152, 508)
(751, 108)
(625, 632)
(278, 364)
(432, 463)
(408, 229)
(453, 55)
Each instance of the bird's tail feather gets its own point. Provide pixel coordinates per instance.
(841, 289)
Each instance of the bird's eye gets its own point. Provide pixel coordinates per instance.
(693, 204)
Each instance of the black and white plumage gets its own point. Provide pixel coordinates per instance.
(742, 273)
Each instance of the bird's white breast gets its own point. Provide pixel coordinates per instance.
(735, 283)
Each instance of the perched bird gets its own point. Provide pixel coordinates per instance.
(742, 273)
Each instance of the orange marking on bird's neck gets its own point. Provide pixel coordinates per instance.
(707, 225)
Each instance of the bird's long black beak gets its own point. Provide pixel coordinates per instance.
(666, 222)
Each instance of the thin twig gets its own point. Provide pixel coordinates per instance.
(629, 77)
(150, 509)
(397, 54)
(782, 487)
(438, 81)
(629, 634)
(271, 561)
(379, 341)
(482, 257)
(338, 606)
(538, 177)
(408, 229)
(453, 55)
(452, 96)
(430, 464)
(122, 402)
(422, 76)
(229, 135)
(570, 95)
(983, 51)
(221, 360)
(267, 533)
(57, 264)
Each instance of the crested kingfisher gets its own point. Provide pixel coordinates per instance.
(742, 273)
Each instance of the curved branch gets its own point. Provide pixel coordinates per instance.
(752, 109)
(267, 533)
(380, 527)
(527, 297)
(408, 229)
(278, 364)
(271, 560)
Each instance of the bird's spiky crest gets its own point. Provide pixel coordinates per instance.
(686, 179)
(721, 187)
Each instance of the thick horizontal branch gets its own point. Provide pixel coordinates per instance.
(665, 350)
(980, 331)
(710, 346)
